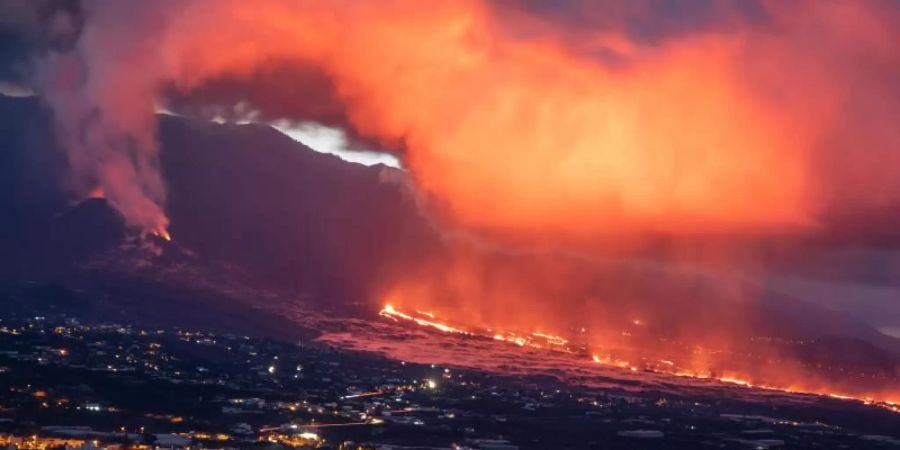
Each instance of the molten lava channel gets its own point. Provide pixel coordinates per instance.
(556, 343)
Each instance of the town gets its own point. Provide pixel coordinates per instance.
(68, 384)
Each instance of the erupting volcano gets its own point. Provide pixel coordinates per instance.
(669, 190)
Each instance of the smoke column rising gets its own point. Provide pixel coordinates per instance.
(103, 95)
(745, 129)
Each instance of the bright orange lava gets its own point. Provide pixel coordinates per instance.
(556, 343)
(163, 233)
(389, 311)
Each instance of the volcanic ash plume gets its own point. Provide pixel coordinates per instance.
(104, 110)
(515, 122)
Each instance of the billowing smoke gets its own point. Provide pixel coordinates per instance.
(519, 118)
(103, 95)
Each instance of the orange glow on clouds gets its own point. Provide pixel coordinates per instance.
(512, 122)
(524, 134)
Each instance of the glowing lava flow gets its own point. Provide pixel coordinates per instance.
(163, 233)
(665, 367)
(389, 312)
(159, 232)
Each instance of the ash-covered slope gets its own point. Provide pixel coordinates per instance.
(306, 220)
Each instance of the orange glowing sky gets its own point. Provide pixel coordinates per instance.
(511, 121)
(526, 135)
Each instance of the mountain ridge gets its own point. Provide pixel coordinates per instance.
(303, 222)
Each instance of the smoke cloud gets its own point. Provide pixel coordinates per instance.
(579, 120)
